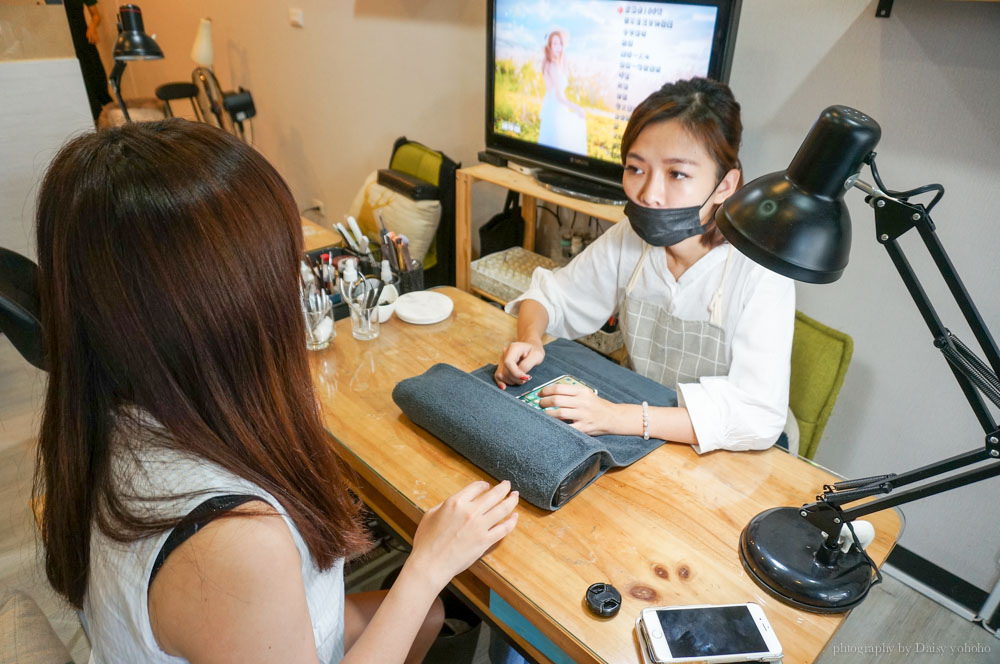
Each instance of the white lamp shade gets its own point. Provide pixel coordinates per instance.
(202, 52)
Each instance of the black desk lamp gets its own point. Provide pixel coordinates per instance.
(133, 44)
(796, 223)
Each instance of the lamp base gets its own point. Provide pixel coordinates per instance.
(785, 555)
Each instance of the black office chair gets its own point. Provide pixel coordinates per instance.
(226, 110)
(20, 310)
(169, 92)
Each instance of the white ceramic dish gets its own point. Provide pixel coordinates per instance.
(423, 307)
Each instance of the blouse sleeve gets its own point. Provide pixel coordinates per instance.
(746, 410)
(580, 297)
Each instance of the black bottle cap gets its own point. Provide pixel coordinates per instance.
(603, 600)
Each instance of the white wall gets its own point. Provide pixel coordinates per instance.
(332, 97)
(930, 74)
(42, 103)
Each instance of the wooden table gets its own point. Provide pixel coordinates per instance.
(664, 531)
(531, 192)
(315, 236)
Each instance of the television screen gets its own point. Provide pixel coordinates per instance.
(564, 76)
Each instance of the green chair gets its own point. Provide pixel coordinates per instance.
(435, 167)
(820, 356)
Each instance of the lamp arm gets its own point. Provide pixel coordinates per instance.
(946, 484)
(827, 513)
(115, 80)
(894, 216)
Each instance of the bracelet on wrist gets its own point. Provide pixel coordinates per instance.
(645, 420)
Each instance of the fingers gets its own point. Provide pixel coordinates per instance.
(514, 374)
(470, 491)
(502, 529)
(508, 371)
(527, 363)
(501, 510)
(515, 362)
(563, 389)
(487, 500)
(560, 400)
(558, 413)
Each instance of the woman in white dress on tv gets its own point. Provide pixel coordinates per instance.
(562, 124)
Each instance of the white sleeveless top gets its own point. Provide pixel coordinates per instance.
(116, 603)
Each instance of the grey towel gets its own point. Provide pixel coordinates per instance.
(545, 459)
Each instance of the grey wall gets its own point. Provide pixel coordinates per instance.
(930, 74)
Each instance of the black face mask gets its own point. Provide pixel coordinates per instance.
(664, 227)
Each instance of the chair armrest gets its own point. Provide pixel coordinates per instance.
(408, 185)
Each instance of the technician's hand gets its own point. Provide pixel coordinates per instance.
(585, 411)
(454, 534)
(516, 361)
(92, 33)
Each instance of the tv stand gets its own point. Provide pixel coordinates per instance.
(577, 187)
(531, 192)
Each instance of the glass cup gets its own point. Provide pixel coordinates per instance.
(364, 322)
(318, 314)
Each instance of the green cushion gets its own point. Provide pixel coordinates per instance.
(820, 356)
(26, 637)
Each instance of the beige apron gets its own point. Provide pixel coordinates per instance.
(669, 349)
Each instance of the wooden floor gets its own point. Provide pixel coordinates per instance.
(892, 619)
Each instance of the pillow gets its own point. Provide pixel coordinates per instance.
(417, 220)
(26, 637)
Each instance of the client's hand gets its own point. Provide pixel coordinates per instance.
(584, 410)
(516, 361)
(454, 534)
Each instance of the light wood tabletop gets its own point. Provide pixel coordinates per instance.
(664, 530)
(315, 236)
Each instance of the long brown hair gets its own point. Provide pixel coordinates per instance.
(709, 112)
(548, 46)
(168, 257)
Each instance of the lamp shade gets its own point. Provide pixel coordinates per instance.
(202, 52)
(133, 42)
(795, 222)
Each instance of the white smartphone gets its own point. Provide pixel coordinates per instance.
(708, 633)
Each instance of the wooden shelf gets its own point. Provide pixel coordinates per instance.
(531, 192)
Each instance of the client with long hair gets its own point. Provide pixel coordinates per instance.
(180, 392)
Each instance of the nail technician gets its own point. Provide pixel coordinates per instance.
(696, 315)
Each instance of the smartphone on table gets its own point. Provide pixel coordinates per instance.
(708, 633)
(531, 396)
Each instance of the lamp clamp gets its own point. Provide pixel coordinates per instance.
(993, 443)
(893, 217)
(825, 516)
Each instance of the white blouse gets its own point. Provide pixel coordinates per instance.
(116, 605)
(745, 410)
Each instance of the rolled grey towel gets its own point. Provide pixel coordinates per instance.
(545, 459)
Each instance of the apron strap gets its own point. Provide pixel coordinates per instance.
(638, 268)
(715, 305)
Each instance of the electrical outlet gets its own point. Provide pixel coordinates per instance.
(319, 206)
